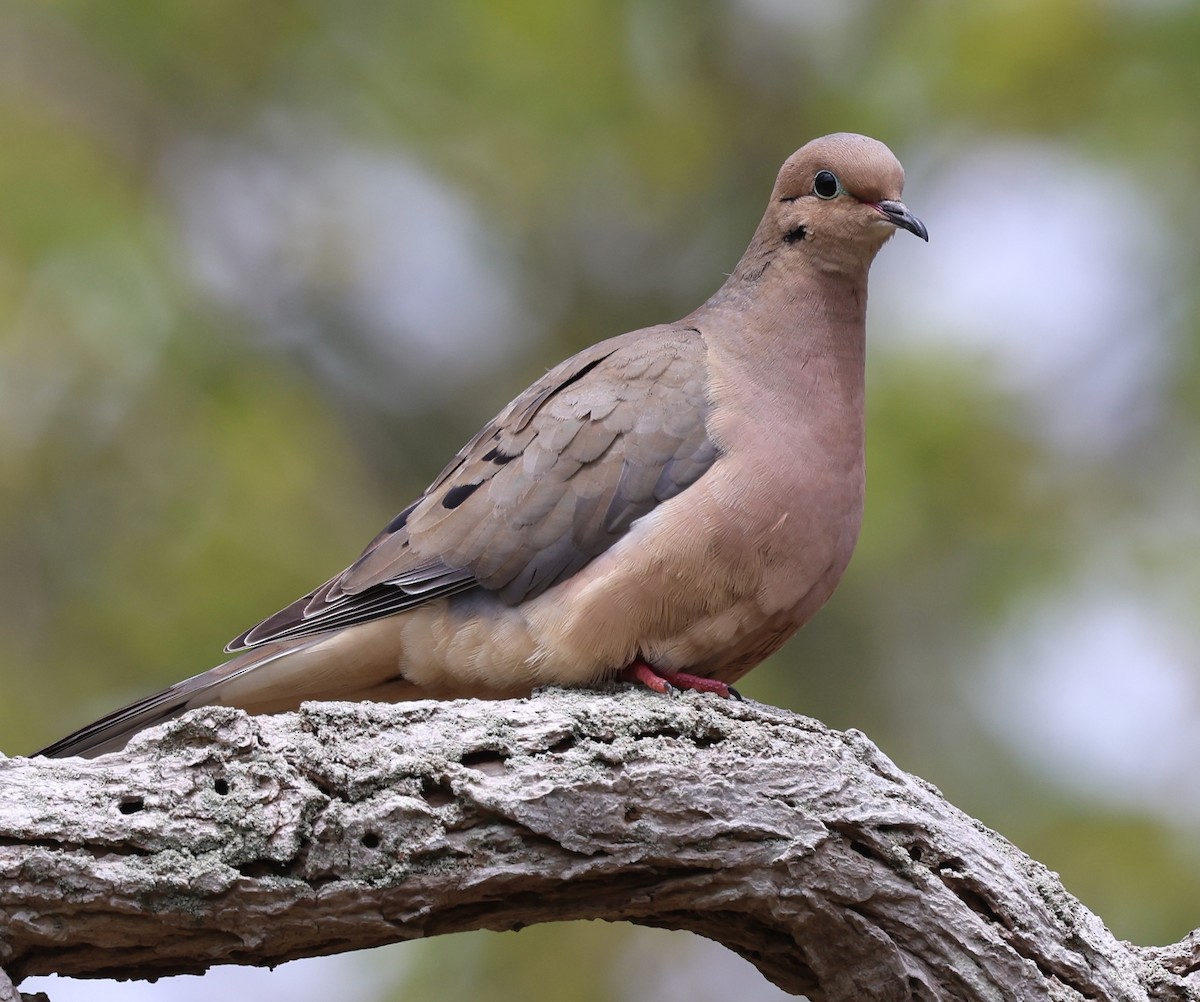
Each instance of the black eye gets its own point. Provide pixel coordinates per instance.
(825, 185)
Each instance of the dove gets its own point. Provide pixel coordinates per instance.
(666, 507)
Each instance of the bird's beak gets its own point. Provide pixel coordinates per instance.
(897, 212)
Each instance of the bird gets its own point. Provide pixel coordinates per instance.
(666, 507)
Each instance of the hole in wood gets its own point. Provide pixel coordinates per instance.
(436, 792)
(486, 760)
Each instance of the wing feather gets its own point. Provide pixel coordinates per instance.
(553, 481)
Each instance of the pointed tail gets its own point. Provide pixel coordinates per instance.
(111, 732)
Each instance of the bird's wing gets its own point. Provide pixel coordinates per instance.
(554, 480)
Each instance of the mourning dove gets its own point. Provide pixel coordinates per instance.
(667, 506)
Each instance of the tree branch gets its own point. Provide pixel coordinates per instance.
(223, 838)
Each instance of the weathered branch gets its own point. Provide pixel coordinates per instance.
(223, 838)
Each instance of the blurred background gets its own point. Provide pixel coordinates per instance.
(264, 267)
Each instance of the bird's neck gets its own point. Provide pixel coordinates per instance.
(792, 321)
(800, 346)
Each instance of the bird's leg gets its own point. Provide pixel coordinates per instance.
(641, 673)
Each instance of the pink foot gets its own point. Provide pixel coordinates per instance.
(641, 673)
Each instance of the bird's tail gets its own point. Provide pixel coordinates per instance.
(110, 732)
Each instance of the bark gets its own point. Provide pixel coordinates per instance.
(223, 838)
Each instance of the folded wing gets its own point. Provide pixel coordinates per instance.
(552, 482)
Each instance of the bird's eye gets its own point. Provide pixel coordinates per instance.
(826, 185)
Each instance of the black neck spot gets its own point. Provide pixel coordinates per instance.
(794, 235)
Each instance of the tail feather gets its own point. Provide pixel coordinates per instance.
(111, 732)
(360, 662)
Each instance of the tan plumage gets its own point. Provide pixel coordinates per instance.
(686, 495)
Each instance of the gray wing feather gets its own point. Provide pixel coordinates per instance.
(558, 477)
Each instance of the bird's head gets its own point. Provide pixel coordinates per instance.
(837, 201)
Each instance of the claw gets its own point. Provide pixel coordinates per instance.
(639, 672)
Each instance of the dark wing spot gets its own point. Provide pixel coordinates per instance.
(497, 457)
(582, 372)
(398, 523)
(549, 391)
(457, 495)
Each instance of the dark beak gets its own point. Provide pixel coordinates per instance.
(898, 213)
